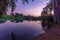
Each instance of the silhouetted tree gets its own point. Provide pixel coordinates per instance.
(49, 6)
(5, 4)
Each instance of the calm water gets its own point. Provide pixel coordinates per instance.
(24, 30)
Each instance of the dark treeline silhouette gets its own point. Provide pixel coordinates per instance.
(17, 14)
(30, 18)
(25, 17)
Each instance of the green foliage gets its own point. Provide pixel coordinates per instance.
(8, 17)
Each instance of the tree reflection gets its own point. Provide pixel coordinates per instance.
(13, 36)
(2, 21)
(16, 20)
(45, 24)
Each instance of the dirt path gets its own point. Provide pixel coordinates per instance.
(51, 34)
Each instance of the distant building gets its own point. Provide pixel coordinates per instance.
(56, 6)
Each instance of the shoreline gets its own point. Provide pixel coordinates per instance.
(50, 34)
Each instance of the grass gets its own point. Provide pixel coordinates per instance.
(10, 17)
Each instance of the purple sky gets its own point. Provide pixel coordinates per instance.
(33, 8)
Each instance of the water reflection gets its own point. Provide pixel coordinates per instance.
(16, 20)
(27, 30)
(13, 36)
(45, 24)
(2, 20)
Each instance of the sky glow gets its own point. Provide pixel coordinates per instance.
(33, 8)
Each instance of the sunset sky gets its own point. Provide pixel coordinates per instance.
(33, 8)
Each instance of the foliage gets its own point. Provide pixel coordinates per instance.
(47, 11)
(5, 4)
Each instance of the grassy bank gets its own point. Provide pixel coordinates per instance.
(10, 17)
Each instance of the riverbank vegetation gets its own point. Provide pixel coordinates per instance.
(12, 4)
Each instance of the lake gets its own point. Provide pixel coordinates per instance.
(23, 30)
